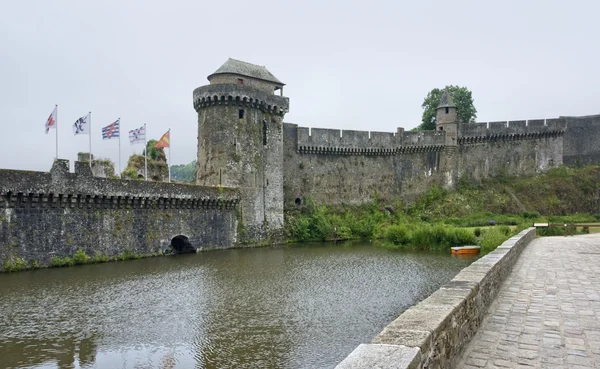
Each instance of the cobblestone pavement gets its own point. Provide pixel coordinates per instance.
(547, 313)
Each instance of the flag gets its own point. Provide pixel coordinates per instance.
(111, 130)
(137, 135)
(51, 122)
(82, 126)
(164, 141)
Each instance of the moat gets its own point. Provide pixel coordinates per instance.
(305, 306)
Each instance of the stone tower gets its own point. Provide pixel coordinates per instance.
(446, 118)
(240, 142)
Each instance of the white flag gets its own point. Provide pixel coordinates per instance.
(82, 126)
(51, 122)
(137, 135)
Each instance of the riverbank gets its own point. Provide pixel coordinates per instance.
(485, 214)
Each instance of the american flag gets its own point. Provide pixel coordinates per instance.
(111, 130)
(137, 135)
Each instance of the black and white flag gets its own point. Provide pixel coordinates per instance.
(82, 126)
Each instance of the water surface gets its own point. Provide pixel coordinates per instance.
(306, 306)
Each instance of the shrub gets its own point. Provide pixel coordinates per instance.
(462, 237)
(477, 232)
(505, 230)
(493, 237)
(15, 264)
(397, 234)
(531, 215)
(344, 233)
(61, 262)
(81, 257)
(128, 254)
(100, 257)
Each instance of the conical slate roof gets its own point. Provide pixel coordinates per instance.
(242, 68)
(446, 100)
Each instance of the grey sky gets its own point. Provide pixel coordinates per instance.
(347, 64)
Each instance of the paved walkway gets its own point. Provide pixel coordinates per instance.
(547, 314)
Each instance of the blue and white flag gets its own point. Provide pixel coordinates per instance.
(137, 135)
(111, 130)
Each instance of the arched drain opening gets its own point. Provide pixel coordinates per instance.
(182, 245)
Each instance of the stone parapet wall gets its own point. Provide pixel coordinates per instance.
(469, 133)
(433, 333)
(349, 142)
(235, 95)
(55, 214)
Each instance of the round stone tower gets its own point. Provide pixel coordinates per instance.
(240, 143)
(446, 118)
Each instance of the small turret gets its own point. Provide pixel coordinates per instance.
(446, 118)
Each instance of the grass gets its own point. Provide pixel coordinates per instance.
(427, 237)
(488, 210)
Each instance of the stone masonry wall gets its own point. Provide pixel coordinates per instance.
(334, 166)
(433, 333)
(354, 168)
(54, 214)
(581, 143)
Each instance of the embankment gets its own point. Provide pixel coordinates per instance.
(433, 333)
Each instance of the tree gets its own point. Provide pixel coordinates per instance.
(462, 98)
(184, 173)
(158, 169)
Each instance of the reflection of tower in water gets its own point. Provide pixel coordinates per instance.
(65, 352)
(246, 326)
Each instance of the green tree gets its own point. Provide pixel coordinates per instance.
(158, 169)
(462, 98)
(184, 173)
(154, 153)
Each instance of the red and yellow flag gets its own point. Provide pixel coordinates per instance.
(164, 141)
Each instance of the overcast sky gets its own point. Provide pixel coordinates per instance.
(364, 65)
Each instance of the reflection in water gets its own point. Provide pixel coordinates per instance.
(292, 307)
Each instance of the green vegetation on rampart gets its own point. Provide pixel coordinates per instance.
(485, 214)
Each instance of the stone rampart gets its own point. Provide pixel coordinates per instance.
(348, 142)
(433, 333)
(470, 133)
(581, 140)
(54, 214)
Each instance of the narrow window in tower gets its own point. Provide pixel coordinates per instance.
(447, 110)
(441, 128)
(264, 132)
(240, 81)
(241, 113)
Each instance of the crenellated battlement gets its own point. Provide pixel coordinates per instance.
(349, 142)
(51, 200)
(61, 189)
(470, 133)
(234, 95)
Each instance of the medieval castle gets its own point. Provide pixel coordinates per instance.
(251, 165)
(244, 143)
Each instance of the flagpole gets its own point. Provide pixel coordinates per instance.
(119, 147)
(90, 134)
(145, 153)
(169, 164)
(56, 107)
